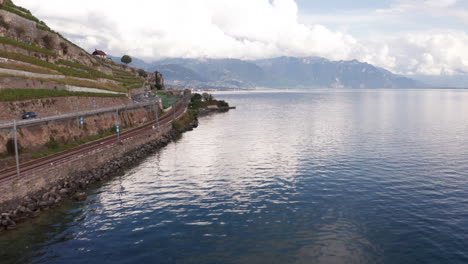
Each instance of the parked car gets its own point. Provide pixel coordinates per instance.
(29, 115)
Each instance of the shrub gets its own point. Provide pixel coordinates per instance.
(222, 104)
(159, 86)
(10, 7)
(142, 73)
(49, 42)
(3, 23)
(10, 146)
(20, 31)
(26, 67)
(183, 122)
(64, 47)
(42, 27)
(207, 97)
(52, 144)
(26, 46)
(26, 94)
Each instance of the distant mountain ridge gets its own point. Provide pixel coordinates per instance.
(281, 72)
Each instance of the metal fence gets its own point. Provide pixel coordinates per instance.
(29, 122)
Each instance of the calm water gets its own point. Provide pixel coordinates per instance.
(289, 177)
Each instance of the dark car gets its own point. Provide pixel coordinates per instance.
(29, 115)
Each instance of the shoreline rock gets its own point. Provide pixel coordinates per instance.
(75, 184)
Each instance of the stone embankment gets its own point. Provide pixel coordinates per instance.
(207, 111)
(73, 186)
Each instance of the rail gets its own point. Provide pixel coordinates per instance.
(44, 164)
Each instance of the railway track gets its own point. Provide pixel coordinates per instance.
(45, 163)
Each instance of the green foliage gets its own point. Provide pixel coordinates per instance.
(183, 122)
(10, 7)
(64, 48)
(43, 27)
(129, 81)
(202, 101)
(207, 97)
(26, 46)
(10, 3)
(49, 42)
(135, 86)
(126, 59)
(64, 70)
(52, 144)
(142, 73)
(3, 23)
(168, 99)
(26, 94)
(222, 104)
(92, 72)
(159, 86)
(26, 67)
(10, 146)
(55, 147)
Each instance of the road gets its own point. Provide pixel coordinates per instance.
(57, 159)
(29, 122)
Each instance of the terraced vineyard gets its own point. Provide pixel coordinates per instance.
(51, 54)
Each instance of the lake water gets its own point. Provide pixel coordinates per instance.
(350, 176)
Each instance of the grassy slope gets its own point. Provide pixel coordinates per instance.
(25, 94)
(65, 67)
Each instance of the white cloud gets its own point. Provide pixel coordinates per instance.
(429, 53)
(250, 29)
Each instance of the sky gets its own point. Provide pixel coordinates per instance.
(410, 37)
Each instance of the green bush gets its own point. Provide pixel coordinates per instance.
(26, 94)
(183, 122)
(49, 42)
(3, 23)
(64, 70)
(26, 46)
(93, 72)
(222, 103)
(52, 144)
(142, 73)
(10, 146)
(10, 7)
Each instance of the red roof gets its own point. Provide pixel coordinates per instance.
(99, 52)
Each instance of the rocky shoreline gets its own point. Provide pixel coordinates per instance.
(74, 185)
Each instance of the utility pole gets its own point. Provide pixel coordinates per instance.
(118, 125)
(16, 149)
(156, 111)
(173, 112)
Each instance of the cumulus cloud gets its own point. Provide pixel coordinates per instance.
(246, 29)
(428, 53)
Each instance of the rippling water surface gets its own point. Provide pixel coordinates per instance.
(368, 176)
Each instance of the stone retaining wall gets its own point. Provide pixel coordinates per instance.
(36, 137)
(28, 196)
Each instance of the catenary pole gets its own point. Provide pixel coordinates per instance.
(16, 149)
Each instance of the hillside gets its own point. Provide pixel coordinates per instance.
(282, 72)
(31, 53)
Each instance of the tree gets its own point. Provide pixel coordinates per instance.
(142, 73)
(126, 59)
(207, 97)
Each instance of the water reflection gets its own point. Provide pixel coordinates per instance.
(291, 177)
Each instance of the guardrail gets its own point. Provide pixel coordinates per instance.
(184, 102)
(23, 123)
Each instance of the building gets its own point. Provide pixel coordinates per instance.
(100, 53)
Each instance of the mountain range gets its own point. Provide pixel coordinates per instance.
(281, 72)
